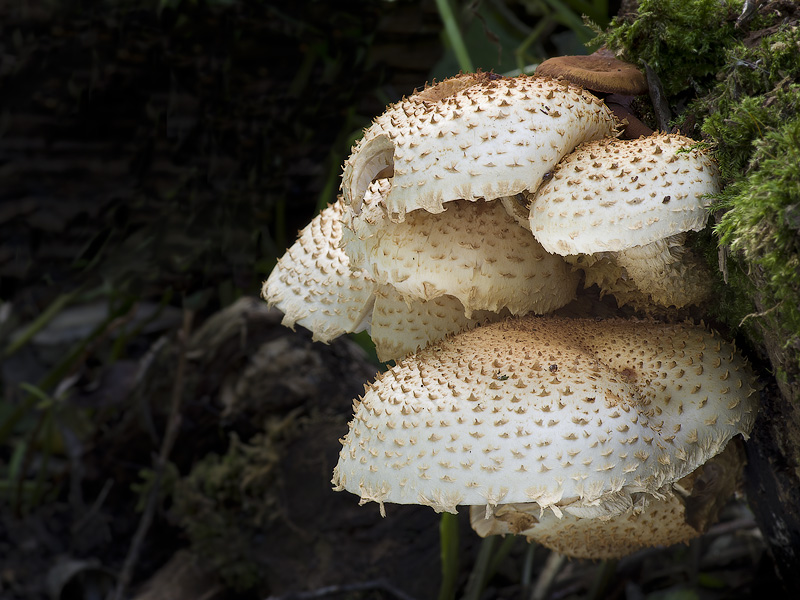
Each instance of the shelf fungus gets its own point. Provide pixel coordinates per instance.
(626, 205)
(475, 137)
(681, 512)
(315, 285)
(559, 412)
(473, 251)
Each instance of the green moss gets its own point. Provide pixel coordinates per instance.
(757, 92)
(737, 127)
(762, 227)
(732, 292)
(739, 90)
(223, 501)
(683, 40)
(751, 118)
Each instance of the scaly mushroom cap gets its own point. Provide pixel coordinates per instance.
(663, 273)
(462, 140)
(547, 410)
(660, 523)
(400, 326)
(473, 251)
(647, 521)
(600, 72)
(314, 284)
(612, 194)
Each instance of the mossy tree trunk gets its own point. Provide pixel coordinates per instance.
(773, 469)
(730, 71)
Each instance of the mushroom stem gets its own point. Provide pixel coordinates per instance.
(621, 107)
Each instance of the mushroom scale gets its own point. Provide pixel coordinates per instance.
(475, 252)
(485, 139)
(548, 410)
(665, 272)
(631, 200)
(674, 274)
(400, 326)
(647, 521)
(610, 195)
(314, 284)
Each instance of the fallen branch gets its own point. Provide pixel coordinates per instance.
(167, 443)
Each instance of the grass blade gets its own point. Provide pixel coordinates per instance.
(448, 536)
(454, 35)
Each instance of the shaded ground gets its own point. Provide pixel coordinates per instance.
(255, 508)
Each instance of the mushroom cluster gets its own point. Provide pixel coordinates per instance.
(592, 422)
(468, 211)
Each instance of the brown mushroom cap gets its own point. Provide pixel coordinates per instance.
(599, 72)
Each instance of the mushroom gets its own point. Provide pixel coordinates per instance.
(474, 252)
(560, 412)
(475, 138)
(614, 80)
(400, 326)
(631, 201)
(669, 519)
(314, 284)
(600, 71)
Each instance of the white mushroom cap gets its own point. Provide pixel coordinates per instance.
(682, 512)
(659, 523)
(400, 326)
(314, 284)
(473, 251)
(630, 202)
(664, 273)
(494, 138)
(609, 195)
(546, 410)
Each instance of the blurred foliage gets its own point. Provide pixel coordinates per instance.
(164, 144)
(222, 498)
(512, 37)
